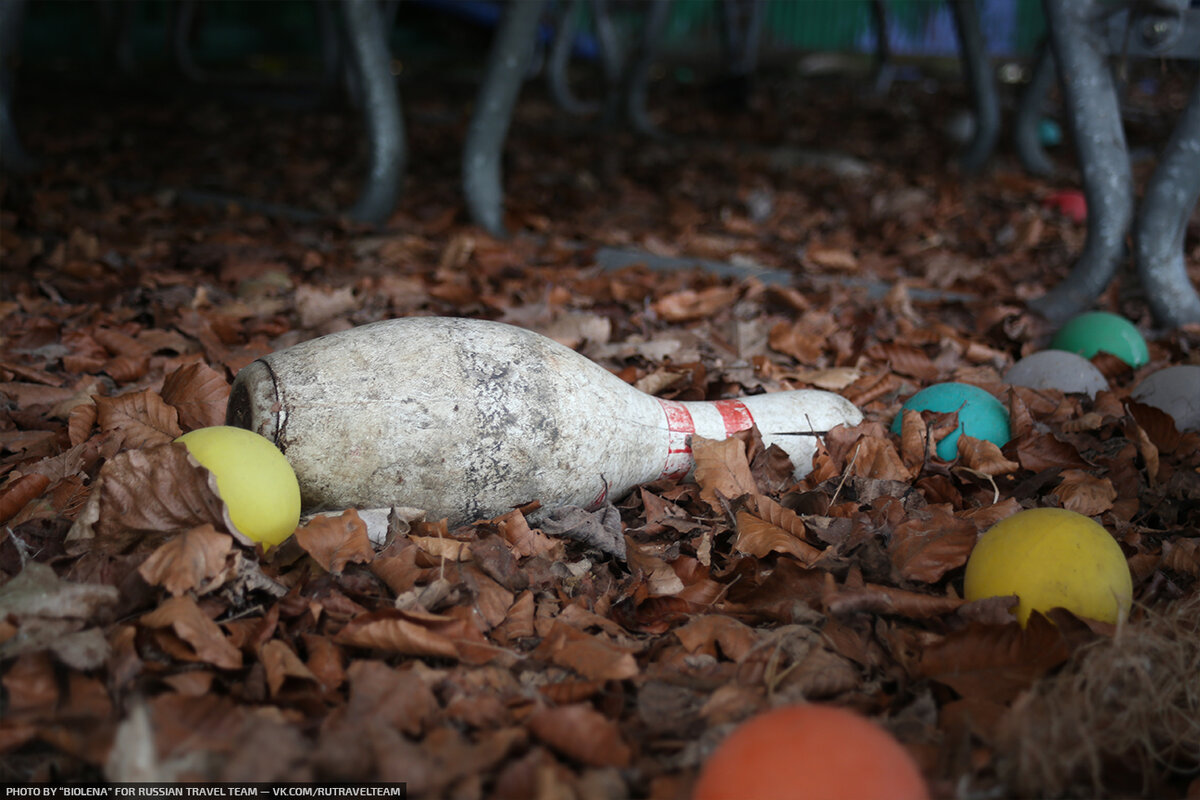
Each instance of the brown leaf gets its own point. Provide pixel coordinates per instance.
(335, 541)
(832, 379)
(199, 393)
(721, 466)
(281, 663)
(925, 550)
(120, 344)
(707, 633)
(582, 733)
(835, 258)
(156, 490)
(185, 562)
(189, 623)
(588, 655)
(141, 419)
(914, 439)
(661, 579)
(1043, 451)
(390, 632)
(906, 359)
(316, 304)
(1183, 556)
(995, 662)
(765, 527)
(877, 458)
(1084, 492)
(526, 541)
(399, 697)
(18, 493)
(984, 457)
(687, 305)
(876, 599)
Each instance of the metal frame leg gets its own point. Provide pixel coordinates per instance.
(1027, 125)
(977, 67)
(637, 82)
(506, 71)
(367, 49)
(557, 79)
(13, 154)
(1162, 222)
(1094, 120)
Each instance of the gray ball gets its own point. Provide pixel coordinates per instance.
(1175, 391)
(1057, 369)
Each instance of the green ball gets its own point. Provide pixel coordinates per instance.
(1097, 331)
(979, 414)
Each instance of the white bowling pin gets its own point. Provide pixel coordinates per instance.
(468, 419)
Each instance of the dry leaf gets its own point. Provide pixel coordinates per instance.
(141, 419)
(281, 663)
(877, 459)
(995, 662)
(190, 624)
(1085, 493)
(983, 457)
(336, 540)
(199, 393)
(721, 466)
(187, 561)
(391, 632)
(765, 526)
(157, 490)
(582, 733)
(926, 549)
(688, 304)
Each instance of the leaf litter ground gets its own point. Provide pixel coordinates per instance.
(601, 654)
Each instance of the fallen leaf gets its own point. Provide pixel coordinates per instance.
(765, 526)
(580, 732)
(187, 561)
(688, 304)
(141, 419)
(926, 549)
(1084, 493)
(391, 632)
(157, 490)
(280, 662)
(336, 540)
(193, 626)
(199, 393)
(721, 467)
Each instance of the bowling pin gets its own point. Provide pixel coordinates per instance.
(468, 419)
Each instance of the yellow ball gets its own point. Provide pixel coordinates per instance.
(1052, 558)
(255, 480)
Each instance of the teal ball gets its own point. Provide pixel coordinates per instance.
(979, 414)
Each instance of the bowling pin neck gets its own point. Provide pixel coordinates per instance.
(791, 420)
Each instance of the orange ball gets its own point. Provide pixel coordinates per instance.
(810, 752)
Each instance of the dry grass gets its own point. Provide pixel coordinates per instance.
(1126, 705)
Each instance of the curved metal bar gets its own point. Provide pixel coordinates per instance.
(884, 71)
(1094, 120)
(638, 77)
(367, 48)
(1026, 127)
(506, 70)
(182, 27)
(557, 80)
(978, 69)
(1162, 222)
(13, 155)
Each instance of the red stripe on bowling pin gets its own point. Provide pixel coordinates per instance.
(680, 426)
(735, 415)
